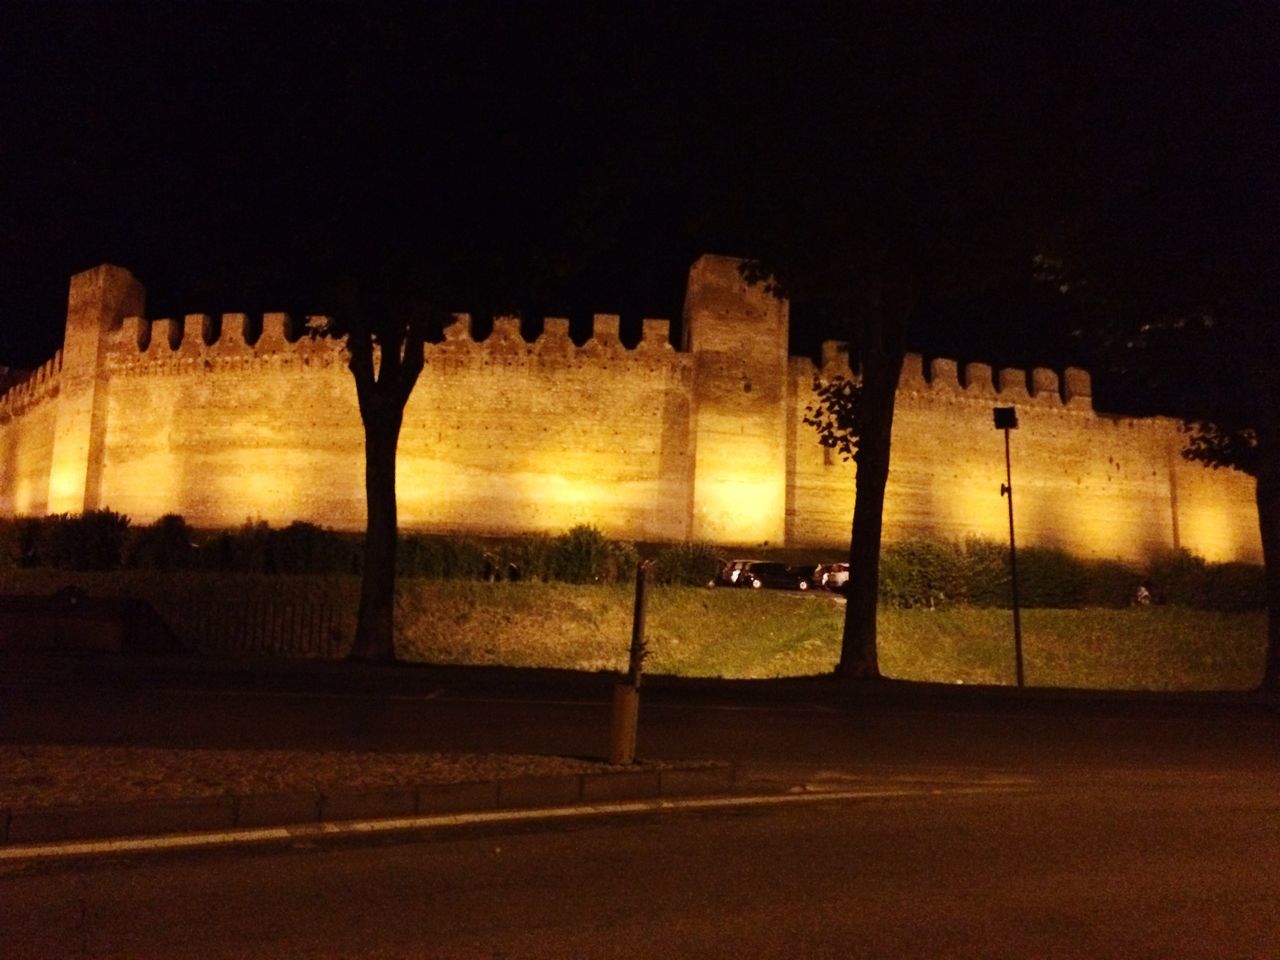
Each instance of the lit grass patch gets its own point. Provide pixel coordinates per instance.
(1139, 648)
(697, 632)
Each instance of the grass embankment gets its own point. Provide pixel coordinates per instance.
(746, 634)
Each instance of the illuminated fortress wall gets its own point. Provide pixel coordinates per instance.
(224, 419)
(27, 420)
(232, 418)
(1092, 484)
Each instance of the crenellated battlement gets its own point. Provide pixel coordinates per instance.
(525, 428)
(142, 344)
(41, 385)
(1038, 387)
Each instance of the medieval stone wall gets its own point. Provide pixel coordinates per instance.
(27, 419)
(498, 436)
(231, 418)
(229, 431)
(1092, 484)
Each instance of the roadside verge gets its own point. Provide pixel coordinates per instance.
(26, 826)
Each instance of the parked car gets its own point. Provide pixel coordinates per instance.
(731, 573)
(832, 576)
(778, 576)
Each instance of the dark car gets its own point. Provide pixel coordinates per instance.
(778, 576)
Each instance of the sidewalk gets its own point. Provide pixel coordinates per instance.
(50, 794)
(98, 746)
(53, 791)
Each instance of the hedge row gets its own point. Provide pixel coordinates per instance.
(913, 573)
(104, 540)
(930, 573)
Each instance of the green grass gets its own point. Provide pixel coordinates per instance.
(750, 634)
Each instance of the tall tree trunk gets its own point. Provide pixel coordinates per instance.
(881, 354)
(385, 368)
(375, 638)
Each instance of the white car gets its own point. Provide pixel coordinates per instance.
(833, 576)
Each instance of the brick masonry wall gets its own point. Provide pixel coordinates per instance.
(500, 436)
(1093, 484)
(27, 418)
(236, 418)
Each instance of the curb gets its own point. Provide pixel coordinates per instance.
(20, 827)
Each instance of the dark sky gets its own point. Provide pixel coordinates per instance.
(233, 155)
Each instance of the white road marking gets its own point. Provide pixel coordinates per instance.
(222, 838)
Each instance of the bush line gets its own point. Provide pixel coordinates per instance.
(913, 573)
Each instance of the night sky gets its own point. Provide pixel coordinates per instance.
(561, 159)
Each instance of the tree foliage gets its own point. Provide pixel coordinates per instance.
(835, 415)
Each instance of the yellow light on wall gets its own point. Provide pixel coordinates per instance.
(66, 487)
(1213, 531)
(256, 486)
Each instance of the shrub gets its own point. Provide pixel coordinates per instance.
(1178, 576)
(166, 544)
(306, 548)
(1050, 578)
(690, 564)
(528, 558)
(579, 555)
(975, 572)
(19, 542)
(985, 566)
(246, 550)
(443, 558)
(620, 560)
(921, 573)
(1109, 583)
(88, 541)
(1233, 587)
(1181, 578)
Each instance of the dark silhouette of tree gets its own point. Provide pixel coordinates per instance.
(385, 339)
(897, 166)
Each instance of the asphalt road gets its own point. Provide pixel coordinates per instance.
(1015, 735)
(1118, 867)
(984, 829)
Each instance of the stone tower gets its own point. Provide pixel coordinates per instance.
(99, 300)
(737, 334)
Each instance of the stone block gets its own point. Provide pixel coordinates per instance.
(604, 328)
(1013, 384)
(1077, 387)
(977, 380)
(134, 335)
(655, 333)
(912, 376)
(371, 804)
(121, 820)
(943, 374)
(506, 330)
(539, 791)
(677, 783)
(1044, 385)
(456, 797)
(458, 327)
(620, 786)
(275, 809)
